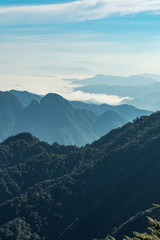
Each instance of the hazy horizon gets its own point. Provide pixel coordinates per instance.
(43, 42)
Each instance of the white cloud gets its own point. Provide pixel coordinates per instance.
(94, 98)
(55, 84)
(80, 10)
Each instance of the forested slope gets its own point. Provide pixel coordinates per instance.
(58, 192)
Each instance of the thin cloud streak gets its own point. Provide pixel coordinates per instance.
(94, 98)
(80, 10)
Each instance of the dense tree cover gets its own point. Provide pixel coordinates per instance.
(58, 192)
(17, 229)
(154, 230)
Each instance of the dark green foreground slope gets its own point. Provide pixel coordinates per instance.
(55, 192)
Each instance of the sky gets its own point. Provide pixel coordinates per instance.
(42, 42)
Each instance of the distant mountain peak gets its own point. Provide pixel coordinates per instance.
(111, 80)
(34, 103)
(55, 102)
(52, 97)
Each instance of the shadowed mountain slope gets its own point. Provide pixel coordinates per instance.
(126, 111)
(9, 107)
(56, 191)
(54, 119)
(113, 119)
(26, 97)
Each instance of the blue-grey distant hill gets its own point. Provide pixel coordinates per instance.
(135, 80)
(26, 97)
(126, 111)
(142, 91)
(54, 119)
(9, 107)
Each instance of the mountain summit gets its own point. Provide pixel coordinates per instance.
(54, 119)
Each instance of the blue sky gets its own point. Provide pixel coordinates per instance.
(79, 38)
(28, 2)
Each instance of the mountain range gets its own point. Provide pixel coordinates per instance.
(142, 91)
(67, 192)
(100, 79)
(26, 97)
(54, 119)
(9, 107)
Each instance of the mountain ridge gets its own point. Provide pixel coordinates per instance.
(134, 80)
(55, 119)
(95, 188)
(9, 107)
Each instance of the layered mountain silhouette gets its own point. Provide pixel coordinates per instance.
(66, 192)
(9, 106)
(126, 111)
(26, 97)
(143, 91)
(100, 79)
(147, 96)
(112, 119)
(54, 119)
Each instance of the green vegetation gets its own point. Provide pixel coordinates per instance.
(154, 230)
(64, 192)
